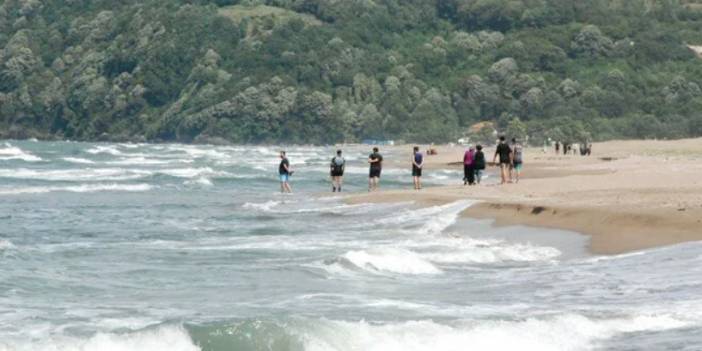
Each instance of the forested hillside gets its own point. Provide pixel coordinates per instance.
(321, 71)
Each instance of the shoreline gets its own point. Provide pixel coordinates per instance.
(630, 196)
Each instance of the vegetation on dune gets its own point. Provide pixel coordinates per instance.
(322, 71)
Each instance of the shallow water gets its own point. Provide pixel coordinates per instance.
(175, 247)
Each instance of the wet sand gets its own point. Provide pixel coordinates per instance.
(629, 195)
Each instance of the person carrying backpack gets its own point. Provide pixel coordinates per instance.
(336, 169)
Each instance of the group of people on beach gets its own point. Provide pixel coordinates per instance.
(474, 164)
(584, 149)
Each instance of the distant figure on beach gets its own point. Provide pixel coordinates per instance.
(336, 169)
(376, 166)
(468, 166)
(517, 159)
(505, 153)
(417, 165)
(284, 172)
(479, 163)
(558, 147)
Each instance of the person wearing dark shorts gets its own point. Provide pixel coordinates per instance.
(284, 173)
(417, 165)
(505, 153)
(336, 170)
(376, 166)
(468, 168)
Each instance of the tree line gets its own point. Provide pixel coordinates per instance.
(326, 71)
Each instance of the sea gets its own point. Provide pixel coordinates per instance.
(117, 247)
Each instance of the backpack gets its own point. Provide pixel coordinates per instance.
(338, 164)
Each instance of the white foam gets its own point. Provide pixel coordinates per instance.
(569, 332)
(159, 339)
(265, 206)
(6, 244)
(432, 220)
(193, 172)
(390, 260)
(87, 174)
(78, 160)
(138, 161)
(100, 149)
(201, 181)
(10, 152)
(467, 250)
(85, 188)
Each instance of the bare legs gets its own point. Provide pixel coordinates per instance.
(417, 183)
(373, 183)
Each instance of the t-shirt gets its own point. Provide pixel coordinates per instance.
(376, 156)
(518, 152)
(418, 158)
(503, 150)
(281, 169)
(479, 161)
(468, 158)
(337, 163)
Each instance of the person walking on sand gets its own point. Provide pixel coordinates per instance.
(505, 153)
(558, 148)
(336, 170)
(284, 172)
(517, 160)
(479, 163)
(417, 166)
(376, 166)
(468, 167)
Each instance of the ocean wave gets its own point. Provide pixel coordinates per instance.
(164, 338)
(101, 149)
(201, 181)
(85, 188)
(88, 174)
(264, 206)
(10, 152)
(386, 260)
(430, 220)
(467, 250)
(565, 332)
(6, 244)
(78, 160)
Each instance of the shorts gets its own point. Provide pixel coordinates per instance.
(284, 178)
(374, 173)
(518, 166)
(416, 171)
(337, 174)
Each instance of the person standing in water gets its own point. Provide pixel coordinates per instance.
(517, 159)
(376, 166)
(468, 167)
(505, 153)
(417, 165)
(284, 172)
(336, 169)
(479, 163)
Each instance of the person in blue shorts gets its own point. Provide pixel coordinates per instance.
(284, 172)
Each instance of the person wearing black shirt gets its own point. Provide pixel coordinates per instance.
(505, 153)
(376, 166)
(284, 172)
(479, 163)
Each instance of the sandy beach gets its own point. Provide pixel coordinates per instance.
(628, 196)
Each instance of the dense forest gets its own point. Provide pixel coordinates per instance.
(324, 71)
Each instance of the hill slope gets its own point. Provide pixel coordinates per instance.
(327, 70)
